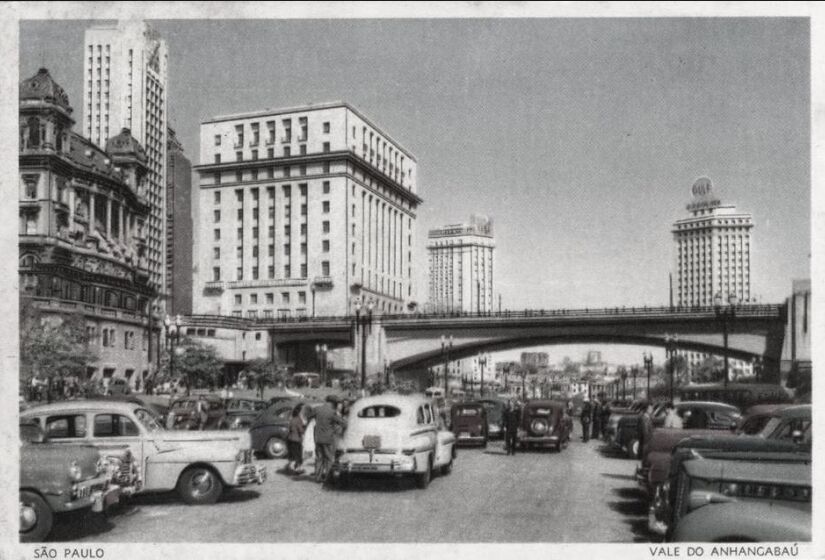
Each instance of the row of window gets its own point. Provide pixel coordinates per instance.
(270, 152)
(256, 174)
(269, 298)
(286, 126)
(325, 228)
(239, 275)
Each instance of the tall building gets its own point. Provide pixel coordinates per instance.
(178, 228)
(713, 258)
(461, 266)
(713, 250)
(82, 245)
(303, 211)
(125, 86)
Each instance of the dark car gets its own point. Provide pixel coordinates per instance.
(469, 423)
(544, 423)
(58, 478)
(495, 417)
(268, 431)
(183, 413)
(743, 497)
(240, 412)
(156, 408)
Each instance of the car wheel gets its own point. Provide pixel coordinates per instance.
(634, 450)
(422, 480)
(199, 485)
(275, 448)
(36, 517)
(448, 468)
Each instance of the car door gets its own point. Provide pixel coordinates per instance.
(114, 430)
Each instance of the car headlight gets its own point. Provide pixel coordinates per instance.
(75, 472)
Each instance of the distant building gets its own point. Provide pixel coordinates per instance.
(594, 357)
(461, 266)
(125, 85)
(179, 234)
(535, 360)
(82, 241)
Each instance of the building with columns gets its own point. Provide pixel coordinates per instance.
(125, 85)
(461, 267)
(82, 240)
(304, 211)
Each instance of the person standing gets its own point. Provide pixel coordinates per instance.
(295, 440)
(646, 431)
(672, 418)
(585, 417)
(597, 418)
(202, 416)
(512, 416)
(326, 419)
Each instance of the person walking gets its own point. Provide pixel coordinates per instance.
(585, 417)
(326, 419)
(512, 416)
(672, 419)
(295, 440)
(201, 414)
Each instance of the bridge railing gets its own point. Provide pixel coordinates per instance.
(744, 311)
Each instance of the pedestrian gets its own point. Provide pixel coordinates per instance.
(295, 440)
(672, 419)
(261, 382)
(201, 414)
(585, 417)
(512, 416)
(646, 431)
(326, 419)
(597, 418)
(605, 418)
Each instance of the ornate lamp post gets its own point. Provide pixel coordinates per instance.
(635, 371)
(482, 362)
(446, 350)
(172, 341)
(321, 354)
(670, 349)
(758, 365)
(725, 313)
(648, 359)
(624, 383)
(363, 322)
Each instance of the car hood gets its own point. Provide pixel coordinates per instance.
(783, 469)
(665, 439)
(48, 464)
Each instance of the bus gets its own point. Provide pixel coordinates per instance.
(742, 395)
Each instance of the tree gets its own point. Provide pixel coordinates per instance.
(710, 370)
(267, 369)
(53, 345)
(195, 362)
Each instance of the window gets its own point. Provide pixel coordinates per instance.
(303, 149)
(254, 172)
(287, 151)
(303, 189)
(253, 299)
(302, 297)
(325, 206)
(326, 167)
(325, 268)
(238, 299)
(271, 232)
(286, 249)
(62, 427)
(326, 128)
(270, 153)
(217, 158)
(304, 270)
(270, 297)
(239, 273)
(325, 246)
(217, 139)
(302, 170)
(287, 171)
(285, 297)
(114, 425)
(216, 274)
(217, 214)
(303, 229)
(254, 251)
(303, 248)
(271, 250)
(217, 178)
(216, 253)
(326, 147)
(255, 213)
(238, 156)
(217, 195)
(240, 214)
(217, 235)
(325, 226)
(326, 187)
(240, 233)
(239, 176)
(271, 271)
(287, 271)
(239, 252)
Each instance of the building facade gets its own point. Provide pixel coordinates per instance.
(461, 267)
(179, 233)
(713, 258)
(303, 211)
(82, 242)
(125, 83)
(795, 367)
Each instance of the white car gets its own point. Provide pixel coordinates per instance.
(394, 435)
(198, 464)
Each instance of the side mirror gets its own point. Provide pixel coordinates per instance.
(796, 436)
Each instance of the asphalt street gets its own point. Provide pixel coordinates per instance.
(583, 494)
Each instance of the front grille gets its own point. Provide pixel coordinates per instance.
(80, 492)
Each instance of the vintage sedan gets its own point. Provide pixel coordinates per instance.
(469, 423)
(55, 479)
(495, 417)
(196, 464)
(269, 429)
(396, 435)
(183, 413)
(544, 423)
(240, 413)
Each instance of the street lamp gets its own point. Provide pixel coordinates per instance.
(624, 383)
(635, 371)
(172, 340)
(758, 364)
(446, 350)
(670, 349)
(363, 322)
(321, 354)
(725, 313)
(648, 359)
(482, 362)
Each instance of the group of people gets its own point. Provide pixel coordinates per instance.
(330, 422)
(593, 418)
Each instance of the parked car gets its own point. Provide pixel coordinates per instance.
(544, 423)
(616, 414)
(495, 417)
(241, 413)
(56, 479)
(269, 429)
(196, 464)
(396, 435)
(119, 386)
(469, 423)
(754, 497)
(741, 395)
(184, 413)
(159, 410)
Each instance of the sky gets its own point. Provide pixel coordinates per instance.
(581, 138)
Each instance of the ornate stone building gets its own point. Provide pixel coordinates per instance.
(82, 246)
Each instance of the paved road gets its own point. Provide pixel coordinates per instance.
(580, 495)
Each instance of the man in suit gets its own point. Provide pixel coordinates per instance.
(512, 416)
(326, 419)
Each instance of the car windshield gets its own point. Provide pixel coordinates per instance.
(148, 420)
(181, 405)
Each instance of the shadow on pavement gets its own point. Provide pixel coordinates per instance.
(633, 507)
(73, 526)
(610, 452)
(619, 476)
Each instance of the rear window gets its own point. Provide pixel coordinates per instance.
(379, 411)
(467, 412)
(541, 411)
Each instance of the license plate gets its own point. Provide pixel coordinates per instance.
(464, 435)
(368, 467)
(372, 442)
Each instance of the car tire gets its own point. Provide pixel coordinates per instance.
(36, 517)
(275, 448)
(422, 480)
(199, 486)
(448, 468)
(634, 449)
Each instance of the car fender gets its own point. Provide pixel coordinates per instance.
(744, 521)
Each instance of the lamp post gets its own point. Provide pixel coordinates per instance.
(670, 349)
(446, 349)
(648, 359)
(363, 322)
(387, 373)
(758, 364)
(624, 383)
(635, 371)
(725, 313)
(172, 341)
(321, 354)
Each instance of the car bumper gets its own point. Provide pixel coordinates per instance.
(249, 473)
(461, 439)
(96, 493)
(381, 464)
(539, 439)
